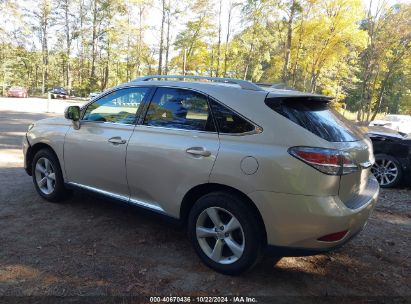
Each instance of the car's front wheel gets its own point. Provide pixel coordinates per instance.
(226, 233)
(47, 176)
(387, 170)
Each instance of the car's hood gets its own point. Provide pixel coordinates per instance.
(380, 122)
(60, 120)
(385, 132)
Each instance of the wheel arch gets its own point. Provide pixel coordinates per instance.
(200, 190)
(32, 150)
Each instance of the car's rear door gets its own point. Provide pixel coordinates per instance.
(95, 154)
(172, 150)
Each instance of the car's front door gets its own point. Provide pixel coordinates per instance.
(172, 150)
(95, 154)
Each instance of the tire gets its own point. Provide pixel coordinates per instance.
(387, 169)
(49, 171)
(247, 241)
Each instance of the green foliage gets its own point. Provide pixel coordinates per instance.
(341, 48)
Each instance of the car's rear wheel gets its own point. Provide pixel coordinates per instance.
(47, 176)
(387, 170)
(226, 233)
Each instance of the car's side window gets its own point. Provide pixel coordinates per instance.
(179, 109)
(117, 107)
(228, 121)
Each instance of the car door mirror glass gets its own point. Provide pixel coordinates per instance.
(72, 113)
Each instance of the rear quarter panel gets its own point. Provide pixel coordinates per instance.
(278, 171)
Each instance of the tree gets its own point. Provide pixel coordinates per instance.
(358, 54)
(163, 18)
(43, 20)
(291, 9)
(231, 7)
(191, 40)
(219, 39)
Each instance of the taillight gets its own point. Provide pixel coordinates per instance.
(328, 161)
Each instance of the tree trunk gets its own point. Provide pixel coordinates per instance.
(387, 76)
(285, 74)
(217, 73)
(211, 60)
(68, 43)
(80, 70)
(230, 11)
(184, 61)
(128, 72)
(367, 67)
(93, 80)
(140, 38)
(160, 55)
(44, 48)
(106, 69)
(248, 62)
(168, 37)
(379, 101)
(297, 56)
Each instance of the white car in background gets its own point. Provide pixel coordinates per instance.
(400, 123)
(94, 94)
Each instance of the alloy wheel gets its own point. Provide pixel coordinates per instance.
(220, 235)
(45, 175)
(385, 171)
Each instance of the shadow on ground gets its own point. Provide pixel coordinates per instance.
(92, 246)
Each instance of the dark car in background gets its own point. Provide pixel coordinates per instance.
(18, 92)
(59, 92)
(392, 151)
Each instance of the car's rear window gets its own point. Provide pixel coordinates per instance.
(315, 115)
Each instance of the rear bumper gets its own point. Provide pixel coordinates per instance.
(295, 222)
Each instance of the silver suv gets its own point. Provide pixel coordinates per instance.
(247, 169)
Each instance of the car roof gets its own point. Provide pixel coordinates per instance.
(209, 85)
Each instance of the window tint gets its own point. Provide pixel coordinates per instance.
(315, 116)
(228, 121)
(118, 107)
(180, 109)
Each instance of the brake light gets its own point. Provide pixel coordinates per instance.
(328, 161)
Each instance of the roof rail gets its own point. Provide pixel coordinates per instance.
(244, 84)
(279, 86)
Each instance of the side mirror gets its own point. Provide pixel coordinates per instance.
(72, 113)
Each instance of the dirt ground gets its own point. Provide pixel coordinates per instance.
(90, 246)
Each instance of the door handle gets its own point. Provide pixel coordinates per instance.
(117, 140)
(198, 151)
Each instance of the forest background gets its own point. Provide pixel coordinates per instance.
(358, 51)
